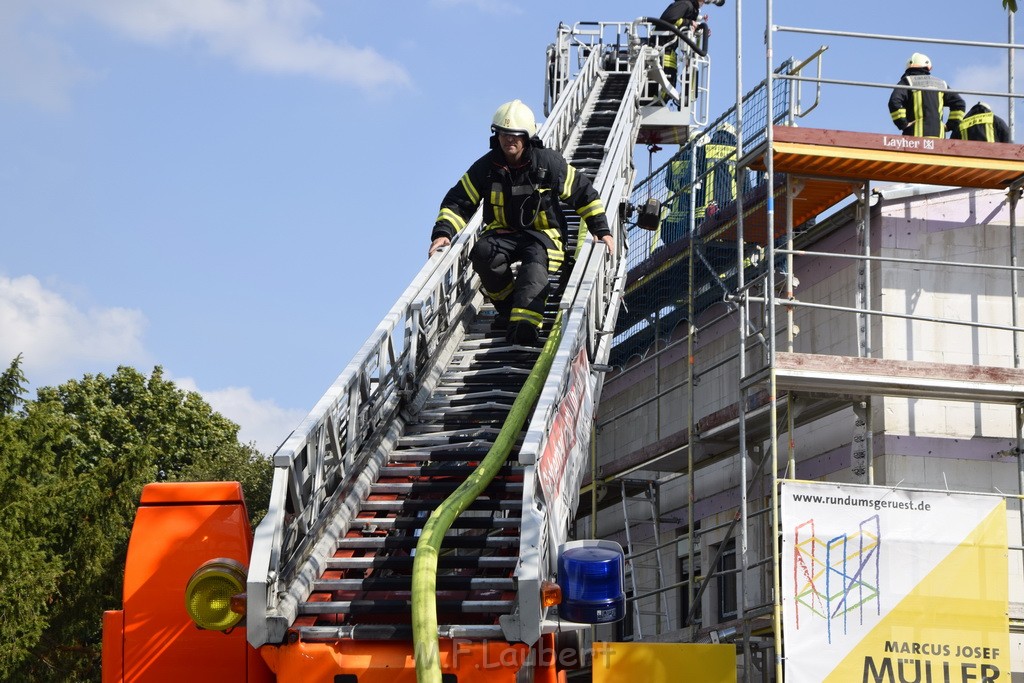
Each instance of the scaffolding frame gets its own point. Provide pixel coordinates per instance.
(771, 394)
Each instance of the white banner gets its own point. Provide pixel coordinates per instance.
(890, 585)
(567, 448)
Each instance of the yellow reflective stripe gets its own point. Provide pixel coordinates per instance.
(498, 203)
(471, 192)
(543, 225)
(555, 260)
(526, 316)
(570, 178)
(918, 120)
(503, 294)
(899, 114)
(979, 119)
(985, 119)
(592, 209)
(719, 154)
(454, 219)
(541, 222)
(671, 61)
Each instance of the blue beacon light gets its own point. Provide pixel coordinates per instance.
(590, 575)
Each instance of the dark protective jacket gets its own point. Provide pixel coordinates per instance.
(715, 163)
(679, 14)
(981, 124)
(716, 170)
(718, 160)
(919, 112)
(523, 198)
(681, 11)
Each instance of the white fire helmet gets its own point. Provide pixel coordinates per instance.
(919, 60)
(516, 118)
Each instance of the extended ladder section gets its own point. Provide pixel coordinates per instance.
(423, 402)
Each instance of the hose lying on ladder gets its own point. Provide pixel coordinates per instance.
(424, 569)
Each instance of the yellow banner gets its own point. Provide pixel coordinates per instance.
(663, 663)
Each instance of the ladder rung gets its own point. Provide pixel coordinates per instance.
(403, 583)
(462, 522)
(368, 606)
(444, 470)
(388, 632)
(430, 505)
(443, 562)
(435, 486)
(378, 542)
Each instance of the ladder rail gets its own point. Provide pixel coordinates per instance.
(319, 458)
(627, 529)
(644, 592)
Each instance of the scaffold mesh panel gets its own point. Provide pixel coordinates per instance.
(696, 193)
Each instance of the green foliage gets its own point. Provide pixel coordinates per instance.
(1010, 5)
(12, 387)
(28, 570)
(72, 466)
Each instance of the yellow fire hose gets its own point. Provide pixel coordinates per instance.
(424, 569)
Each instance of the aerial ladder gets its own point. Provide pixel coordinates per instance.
(326, 582)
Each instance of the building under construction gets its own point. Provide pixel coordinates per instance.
(848, 316)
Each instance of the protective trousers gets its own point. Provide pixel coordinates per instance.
(518, 298)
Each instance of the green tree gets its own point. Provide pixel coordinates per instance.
(75, 465)
(29, 572)
(12, 387)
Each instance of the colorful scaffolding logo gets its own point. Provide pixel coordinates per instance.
(836, 579)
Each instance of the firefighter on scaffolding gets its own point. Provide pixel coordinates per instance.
(919, 112)
(715, 182)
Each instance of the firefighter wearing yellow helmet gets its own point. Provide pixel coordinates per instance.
(520, 184)
(916, 111)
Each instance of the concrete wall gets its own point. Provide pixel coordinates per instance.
(966, 227)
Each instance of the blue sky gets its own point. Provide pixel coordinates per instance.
(238, 190)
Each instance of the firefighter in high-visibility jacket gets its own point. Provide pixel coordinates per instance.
(715, 161)
(678, 181)
(718, 159)
(981, 124)
(919, 112)
(520, 183)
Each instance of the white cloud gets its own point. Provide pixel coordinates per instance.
(57, 339)
(34, 66)
(271, 36)
(982, 77)
(61, 342)
(265, 35)
(260, 421)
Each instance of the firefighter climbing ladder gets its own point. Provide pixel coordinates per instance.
(424, 400)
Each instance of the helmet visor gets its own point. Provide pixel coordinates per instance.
(499, 130)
